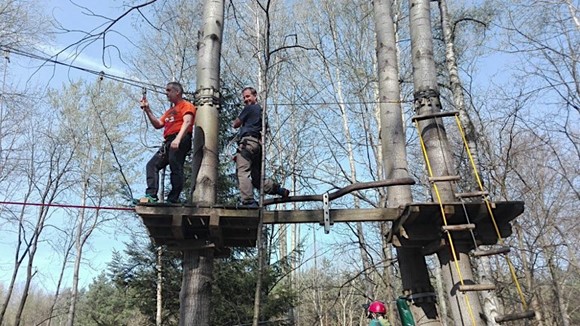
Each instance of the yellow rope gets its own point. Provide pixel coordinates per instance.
(489, 209)
(453, 252)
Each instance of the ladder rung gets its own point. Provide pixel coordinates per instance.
(471, 194)
(519, 315)
(476, 287)
(445, 178)
(493, 251)
(458, 227)
(434, 115)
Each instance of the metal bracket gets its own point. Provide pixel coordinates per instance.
(428, 100)
(421, 297)
(326, 208)
(210, 96)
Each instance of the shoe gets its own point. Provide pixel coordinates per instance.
(250, 204)
(283, 192)
(148, 199)
(174, 201)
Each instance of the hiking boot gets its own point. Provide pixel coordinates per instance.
(250, 204)
(174, 201)
(283, 192)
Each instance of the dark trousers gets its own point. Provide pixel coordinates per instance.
(175, 159)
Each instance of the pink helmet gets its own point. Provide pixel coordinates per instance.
(377, 307)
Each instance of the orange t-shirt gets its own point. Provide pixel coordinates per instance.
(173, 118)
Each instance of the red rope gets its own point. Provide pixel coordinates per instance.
(67, 206)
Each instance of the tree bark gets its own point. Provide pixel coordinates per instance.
(414, 273)
(457, 268)
(196, 288)
(159, 309)
(198, 264)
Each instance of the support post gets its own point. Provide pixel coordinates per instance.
(195, 292)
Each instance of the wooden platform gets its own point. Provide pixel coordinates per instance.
(421, 224)
(187, 227)
(182, 227)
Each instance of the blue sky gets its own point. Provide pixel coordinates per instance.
(25, 71)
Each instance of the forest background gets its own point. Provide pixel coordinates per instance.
(71, 135)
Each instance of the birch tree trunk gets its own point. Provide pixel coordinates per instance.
(489, 298)
(456, 268)
(53, 186)
(414, 273)
(159, 308)
(195, 292)
(337, 85)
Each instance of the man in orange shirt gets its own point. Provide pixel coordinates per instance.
(178, 122)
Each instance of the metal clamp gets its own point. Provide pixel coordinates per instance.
(210, 96)
(428, 100)
(422, 297)
(326, 208)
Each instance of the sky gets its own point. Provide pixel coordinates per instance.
(25, 71)
(91, 56)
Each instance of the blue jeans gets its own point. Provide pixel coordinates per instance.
(175, 159)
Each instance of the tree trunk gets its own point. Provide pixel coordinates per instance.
(528, 276)
(455, 269)
(455, 82)
(414, 272)
(60, 280)
(78, 256)
(560, 300)
(195, 293)
(159, 309)
(489, 298)
(336, 82)
(18, 259)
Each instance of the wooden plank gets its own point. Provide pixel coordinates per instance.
(493, 251)
(471, 194)
(458, 227)
(336, 215)
(515, 316)
(444, 178)
(185, 244)
(177, 227)
(215, 231)
(476, 287)
(164, 210)
(432, 115)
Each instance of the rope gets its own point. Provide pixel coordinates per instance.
(489, 209)
(449, 167)
(453, 252)
(68, 206)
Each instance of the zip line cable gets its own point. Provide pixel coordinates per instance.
(154, 87)
(124, 80)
